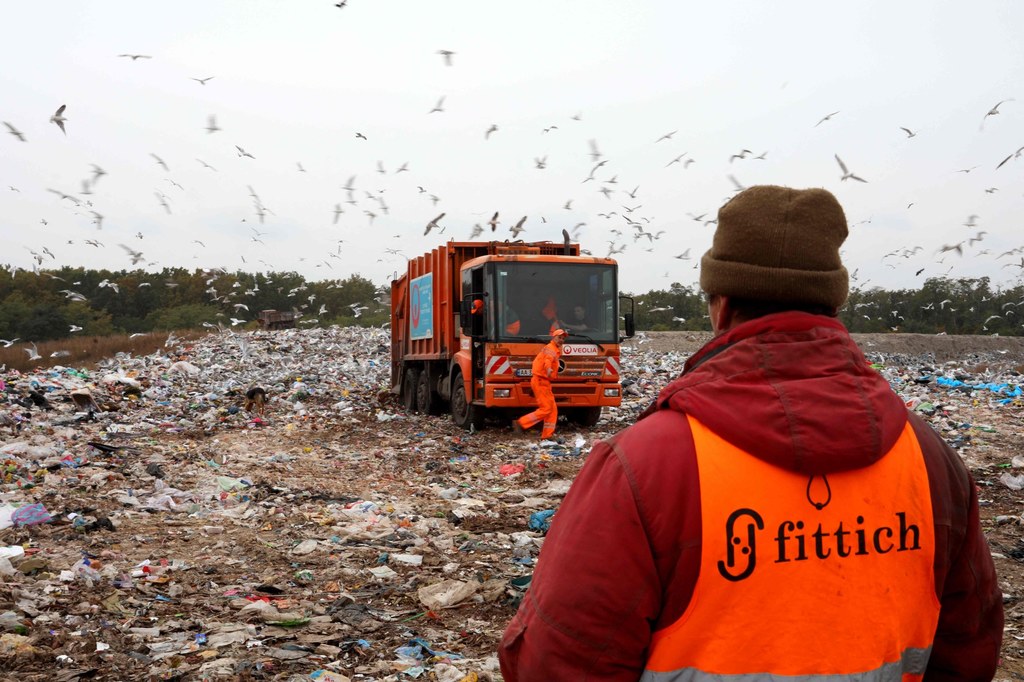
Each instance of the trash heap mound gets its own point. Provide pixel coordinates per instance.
(151, 527)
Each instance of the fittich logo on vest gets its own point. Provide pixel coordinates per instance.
(795, 541)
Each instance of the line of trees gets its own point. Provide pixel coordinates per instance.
(45, 305)
(941, 305)
(48, 304)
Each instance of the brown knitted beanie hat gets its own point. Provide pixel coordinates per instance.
(778, 244)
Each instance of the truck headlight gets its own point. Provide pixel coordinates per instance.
(611, 392)
(505, 393)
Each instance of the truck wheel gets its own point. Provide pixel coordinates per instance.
(412, 380)
(584, 416)
(464, 413)
(427, 401)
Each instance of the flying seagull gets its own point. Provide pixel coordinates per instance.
(242, 152)
(202, 81)
(676, 160)
(211, 126)
(825, 119)
(447, 54)
(742, 155)
(136, 256)
(910, 133)
(163, 202)
(666, 136)
(518, 227)
(992, 112)
(14, 131)
(438, 107)
(847, 175)
(160, 162)
(58, 118)
(135, 57)
(432, 224)
(1014, 155)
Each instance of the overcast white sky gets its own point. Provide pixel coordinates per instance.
(293, 82)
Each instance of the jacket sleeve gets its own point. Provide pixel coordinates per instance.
(590, 609)
(970, 628)
(553, 367)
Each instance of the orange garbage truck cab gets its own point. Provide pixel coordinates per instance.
(451, 354)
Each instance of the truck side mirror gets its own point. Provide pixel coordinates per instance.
(630, 325)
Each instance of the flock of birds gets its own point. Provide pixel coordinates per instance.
(625, 222)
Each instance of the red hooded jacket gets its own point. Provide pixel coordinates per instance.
(623, 553)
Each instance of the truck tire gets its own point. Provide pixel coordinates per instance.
(584, 416)
(412, 380)
(427, 400)
(464, 413)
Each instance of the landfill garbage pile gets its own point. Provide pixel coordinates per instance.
(153, 528)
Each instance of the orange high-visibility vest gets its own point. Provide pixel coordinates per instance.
(803, 577)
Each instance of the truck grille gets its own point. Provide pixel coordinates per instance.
(583, 367)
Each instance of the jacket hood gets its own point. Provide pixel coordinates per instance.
(792, 389)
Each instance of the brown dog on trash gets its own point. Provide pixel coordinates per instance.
(256, 401)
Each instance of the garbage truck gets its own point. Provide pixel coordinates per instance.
(468, 318)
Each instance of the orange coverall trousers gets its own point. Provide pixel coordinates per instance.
(546, 411)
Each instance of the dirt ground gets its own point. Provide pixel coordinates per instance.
(371, 487)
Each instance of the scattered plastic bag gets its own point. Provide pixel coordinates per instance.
(511, 469)
(30, 515)
(541, 520)
(447, 593)
(1012, 482)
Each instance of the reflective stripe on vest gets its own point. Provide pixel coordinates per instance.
(812, 579)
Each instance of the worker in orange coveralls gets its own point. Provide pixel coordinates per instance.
(545, 368)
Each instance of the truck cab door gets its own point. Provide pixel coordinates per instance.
(478, 324)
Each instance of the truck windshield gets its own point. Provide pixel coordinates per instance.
(534, 298)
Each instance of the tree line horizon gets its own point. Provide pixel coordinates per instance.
(58, 303)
